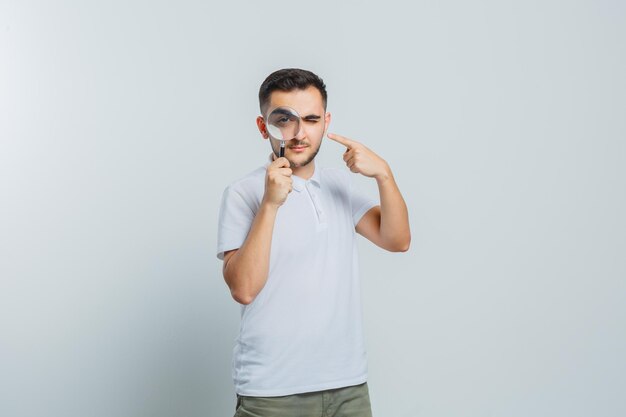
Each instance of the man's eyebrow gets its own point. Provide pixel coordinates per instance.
(312, 116)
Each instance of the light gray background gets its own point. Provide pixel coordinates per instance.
(121, 122)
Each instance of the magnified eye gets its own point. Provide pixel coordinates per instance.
(281, 120)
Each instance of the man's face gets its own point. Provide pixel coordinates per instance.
(313, 125)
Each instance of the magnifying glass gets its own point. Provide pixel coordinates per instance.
(283, 123)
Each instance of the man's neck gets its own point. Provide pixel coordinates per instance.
(306, 171)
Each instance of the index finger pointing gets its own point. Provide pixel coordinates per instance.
(340, 139)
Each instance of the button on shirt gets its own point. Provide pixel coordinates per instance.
(303, 331)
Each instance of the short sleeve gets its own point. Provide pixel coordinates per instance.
(360, 203)
(235, 219)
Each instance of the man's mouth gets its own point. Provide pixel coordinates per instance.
(298, 148)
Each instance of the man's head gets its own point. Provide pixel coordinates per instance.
(305, 92)
(289, 79)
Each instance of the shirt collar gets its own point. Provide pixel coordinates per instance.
(300, 183)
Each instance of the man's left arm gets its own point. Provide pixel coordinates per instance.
(386, 225)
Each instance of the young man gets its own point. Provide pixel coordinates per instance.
(287, 237)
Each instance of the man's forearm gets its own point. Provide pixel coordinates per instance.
(246, 271)
(394, 216)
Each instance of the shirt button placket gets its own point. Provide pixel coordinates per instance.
(316, 203)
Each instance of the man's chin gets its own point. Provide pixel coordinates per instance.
(300, 161)
(299, 164)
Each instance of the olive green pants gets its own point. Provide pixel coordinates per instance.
(351, 401)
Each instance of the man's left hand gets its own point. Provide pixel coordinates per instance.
(361, 159)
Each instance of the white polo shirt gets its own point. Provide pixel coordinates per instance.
(303, 331)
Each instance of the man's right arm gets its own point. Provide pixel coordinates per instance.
(246, 268)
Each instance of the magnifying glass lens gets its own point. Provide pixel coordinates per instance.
(283, 123)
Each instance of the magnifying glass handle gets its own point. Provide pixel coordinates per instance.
(282, 150)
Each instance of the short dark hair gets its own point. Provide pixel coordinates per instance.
(289, 79)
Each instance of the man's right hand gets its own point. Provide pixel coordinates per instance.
(278, 182)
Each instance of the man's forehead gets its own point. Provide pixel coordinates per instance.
(305, 102)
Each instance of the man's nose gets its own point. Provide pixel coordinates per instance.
(301, 133)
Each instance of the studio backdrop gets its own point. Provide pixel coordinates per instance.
(121, 123)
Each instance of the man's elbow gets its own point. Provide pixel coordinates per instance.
(240, 289)
(242, 292)
(399, 248)
(242, 297)
(400, 245)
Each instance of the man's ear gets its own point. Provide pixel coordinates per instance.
(260, 123)
(326, 121)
